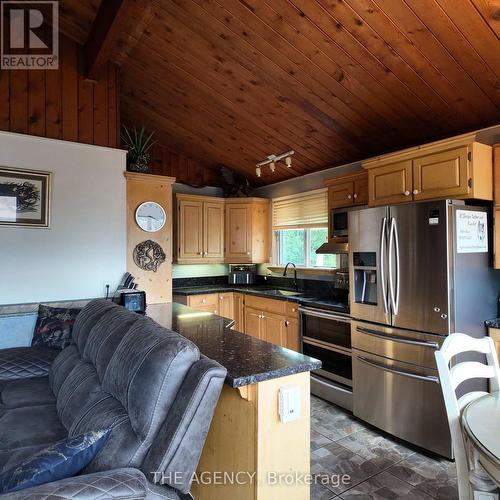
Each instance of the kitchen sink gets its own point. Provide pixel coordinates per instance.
(284, 293)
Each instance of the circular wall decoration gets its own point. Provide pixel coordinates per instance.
(148, 255)
(150, 216)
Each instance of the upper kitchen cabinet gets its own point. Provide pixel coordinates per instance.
(453, 168)
(199, 229)
(348, 190)
(247, 230)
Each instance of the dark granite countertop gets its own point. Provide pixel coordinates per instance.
(265, 291)
(301, 297)
(493, 323)
(248, 360)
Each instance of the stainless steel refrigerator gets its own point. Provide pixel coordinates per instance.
(417, 273)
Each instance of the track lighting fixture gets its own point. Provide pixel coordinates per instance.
(272, 160)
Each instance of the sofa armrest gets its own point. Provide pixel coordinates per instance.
(112, 484)
(26, 362)
(175, 453)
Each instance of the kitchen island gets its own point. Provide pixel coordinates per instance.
(249, 453)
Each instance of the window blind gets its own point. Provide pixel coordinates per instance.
(309, 209)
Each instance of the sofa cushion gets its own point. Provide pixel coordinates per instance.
(25, 392)
(26, 362)
(30, 426)
(54, 326)
(58, 461)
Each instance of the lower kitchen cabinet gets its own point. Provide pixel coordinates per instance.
(226, 305)
(253, 323)
(292, 334)
(272, 320)
(238, 304)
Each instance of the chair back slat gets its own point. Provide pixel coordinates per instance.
(470, 369)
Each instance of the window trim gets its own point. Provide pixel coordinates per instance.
(277, 247)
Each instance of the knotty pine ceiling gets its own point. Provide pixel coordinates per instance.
(231, 81)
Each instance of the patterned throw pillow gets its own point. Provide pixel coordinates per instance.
(60, 460)
(54, 326)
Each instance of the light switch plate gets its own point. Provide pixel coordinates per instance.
(289, 403)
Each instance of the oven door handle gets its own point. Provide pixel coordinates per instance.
(323, 345)
(425, 378)
(321, 314)
(397, 338)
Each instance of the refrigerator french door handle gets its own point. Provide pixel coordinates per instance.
(382, 263)
(397, 338)
(398, 274)
(392, 226)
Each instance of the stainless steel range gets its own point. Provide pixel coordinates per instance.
(326, 335)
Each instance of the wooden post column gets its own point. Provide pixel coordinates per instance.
(158, 188)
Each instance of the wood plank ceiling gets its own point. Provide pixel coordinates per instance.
(231, 81)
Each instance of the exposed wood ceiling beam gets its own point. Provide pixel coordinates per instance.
(117, 28)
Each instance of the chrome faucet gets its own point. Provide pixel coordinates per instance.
(294, 273)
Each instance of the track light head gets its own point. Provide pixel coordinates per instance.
(272, 166)
(288, 161)
(258, 171)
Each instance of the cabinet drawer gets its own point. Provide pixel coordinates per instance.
(263, 304)
(204, 300)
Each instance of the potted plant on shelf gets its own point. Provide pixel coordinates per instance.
(138, 144)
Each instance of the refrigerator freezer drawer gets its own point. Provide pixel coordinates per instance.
(401, 399)
(404, 345)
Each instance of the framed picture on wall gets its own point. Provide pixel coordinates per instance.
(24, 197)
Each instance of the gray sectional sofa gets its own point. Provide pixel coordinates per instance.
(122, 371)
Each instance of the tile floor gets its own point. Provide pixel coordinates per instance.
(379, 467)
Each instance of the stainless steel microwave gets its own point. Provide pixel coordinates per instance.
(339, 223)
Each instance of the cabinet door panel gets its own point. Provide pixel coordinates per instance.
(341, 195)
(238, 233)
(293, 335)
(239, 322)
(226, 305)
(360, 195)
(390, 183)
(253, 322)
(274, 329)
(441, 175)
(213, 231)
(190, 230)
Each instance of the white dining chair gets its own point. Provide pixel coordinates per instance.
(450, 378)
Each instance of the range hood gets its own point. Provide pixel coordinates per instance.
(338, 245)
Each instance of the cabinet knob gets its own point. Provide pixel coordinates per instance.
(200, 253)
(248, 253)
(203, 301)
(415, 191)
(355, 195)
(221, 297)
(349, 196)
(407, 193)
(287, 323)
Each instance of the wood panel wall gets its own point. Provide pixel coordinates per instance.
(184, 169)
(61, 104)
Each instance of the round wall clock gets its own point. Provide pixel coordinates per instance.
(150, 216)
